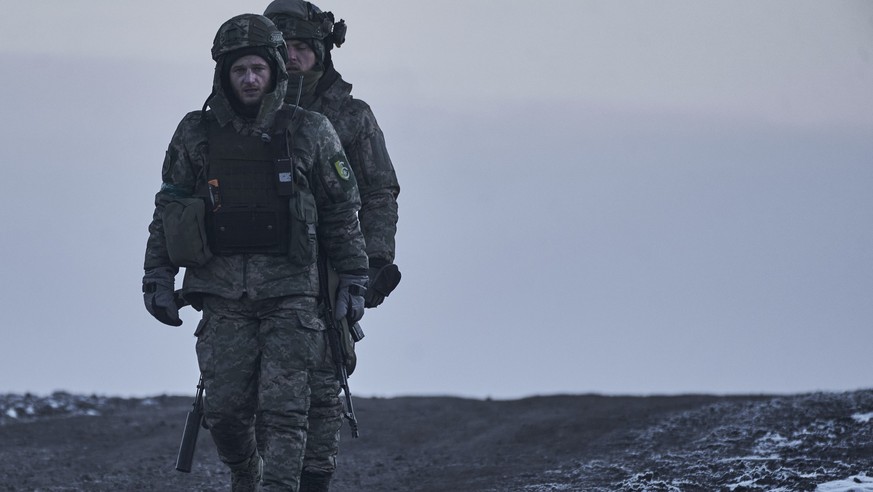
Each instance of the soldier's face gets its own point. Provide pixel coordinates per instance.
(250, 79)
(301, 58)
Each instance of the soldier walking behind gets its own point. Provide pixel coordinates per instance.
(315, 84)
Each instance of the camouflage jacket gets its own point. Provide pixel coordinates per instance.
(364, 145)
(316, 146)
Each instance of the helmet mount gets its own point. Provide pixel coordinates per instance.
(303, 20)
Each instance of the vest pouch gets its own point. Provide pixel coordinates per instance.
(248, 230)
(303, 219)
(185, 232)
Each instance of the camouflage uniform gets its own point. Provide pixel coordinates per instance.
(262, 333)
(364, 145)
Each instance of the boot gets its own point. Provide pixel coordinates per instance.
(246, 476)
(314, 482)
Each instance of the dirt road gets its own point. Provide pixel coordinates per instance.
(555, 443)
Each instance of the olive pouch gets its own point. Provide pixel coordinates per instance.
(348, 335)
(303, 220)
(185, 232)
(348, 342)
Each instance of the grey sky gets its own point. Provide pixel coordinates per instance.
(619, 197)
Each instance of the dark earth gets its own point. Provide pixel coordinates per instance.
(69, 442)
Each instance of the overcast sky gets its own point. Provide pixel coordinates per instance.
(597, 196)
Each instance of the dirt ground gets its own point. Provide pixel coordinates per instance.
(553, 443)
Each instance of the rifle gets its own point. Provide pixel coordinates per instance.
(195, 417)
(192, 429)
(336, 330)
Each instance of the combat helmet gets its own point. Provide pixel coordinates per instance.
(303, 20)
(248, 31)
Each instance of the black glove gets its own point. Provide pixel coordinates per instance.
(350, 297)
(384, 277)
(157, 287)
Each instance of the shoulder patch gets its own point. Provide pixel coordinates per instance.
(341, 165)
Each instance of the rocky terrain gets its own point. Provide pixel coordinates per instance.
(820, 441)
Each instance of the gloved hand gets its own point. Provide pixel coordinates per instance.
(350, 297)
(384, 277)
(157, 288)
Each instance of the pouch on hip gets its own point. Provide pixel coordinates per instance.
(185, 232)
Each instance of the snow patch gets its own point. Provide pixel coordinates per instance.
(858, 483)
(550, 487)
(29, 407)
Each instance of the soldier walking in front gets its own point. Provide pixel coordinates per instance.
(252, 190)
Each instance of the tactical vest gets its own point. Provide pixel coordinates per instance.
(248, 186)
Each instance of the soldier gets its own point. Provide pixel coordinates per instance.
(310, 35)
(251, 187)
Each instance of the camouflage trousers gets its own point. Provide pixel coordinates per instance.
(256, 358)
(325, 421)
